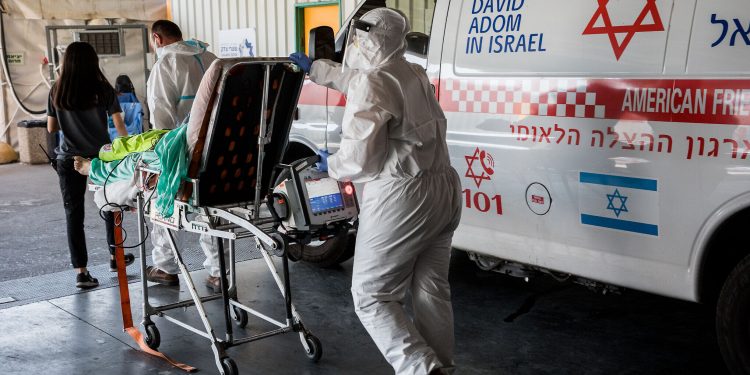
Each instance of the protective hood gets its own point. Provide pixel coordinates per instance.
(385, 40)
(183, 47)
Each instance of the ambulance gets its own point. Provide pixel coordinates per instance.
(600, 141)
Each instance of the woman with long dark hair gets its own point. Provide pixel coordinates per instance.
(78, 105)
(125, 89)
(132, 110)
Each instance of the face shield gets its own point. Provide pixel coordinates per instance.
(355, 39)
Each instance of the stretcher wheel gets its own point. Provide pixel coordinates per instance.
(316, 348)
(281, 244)
(239, 316)
(153, 339)
(229, 367)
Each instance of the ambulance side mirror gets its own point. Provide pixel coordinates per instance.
(321, 43)
(417, 43)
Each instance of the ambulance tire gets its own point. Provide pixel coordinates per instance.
(732, 322)
(327, 253)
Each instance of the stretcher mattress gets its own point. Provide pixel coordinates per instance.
(229, 156)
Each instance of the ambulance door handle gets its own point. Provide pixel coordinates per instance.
(296, 113)
(433, 88)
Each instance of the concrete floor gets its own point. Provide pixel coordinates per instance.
(503, 325)
(32, 224)
(567, 330)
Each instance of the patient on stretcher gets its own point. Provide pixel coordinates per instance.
(165, 151)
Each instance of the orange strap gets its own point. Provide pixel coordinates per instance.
(127, 316)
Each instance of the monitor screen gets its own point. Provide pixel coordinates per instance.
(324, 195)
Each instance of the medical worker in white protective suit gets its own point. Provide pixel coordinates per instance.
(171, 90)
(175, 76)
(393, 141)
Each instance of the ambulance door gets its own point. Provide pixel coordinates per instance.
(554, 174)
(420, 16)
(313, 117)
(437, 35)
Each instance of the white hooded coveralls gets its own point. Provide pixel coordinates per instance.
(174, 81)
(171, 90)
(393, 141)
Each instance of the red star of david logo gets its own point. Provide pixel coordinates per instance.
(487, 171)
(629, 30)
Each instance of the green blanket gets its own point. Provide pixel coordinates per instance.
(170, 156)
(121, 147)
(172, 151)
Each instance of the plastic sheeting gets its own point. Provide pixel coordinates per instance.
(24, 33)
(86, 9)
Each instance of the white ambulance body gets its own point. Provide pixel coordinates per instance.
(608, 140)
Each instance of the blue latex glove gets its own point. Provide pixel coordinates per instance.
(301, 60)
(323, 163)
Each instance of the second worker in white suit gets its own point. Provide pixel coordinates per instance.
(394, 142)
(171, 90)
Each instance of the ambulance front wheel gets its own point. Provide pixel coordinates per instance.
(732, 323)
(328, 253)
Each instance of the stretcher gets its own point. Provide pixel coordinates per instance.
(229, 194)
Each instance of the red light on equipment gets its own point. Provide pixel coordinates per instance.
(349, 189)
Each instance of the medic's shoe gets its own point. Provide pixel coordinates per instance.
(129, 259)
(156, 275)
(84, 280)
(214, 283)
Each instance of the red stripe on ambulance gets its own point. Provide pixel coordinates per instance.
(668, 100)
(314, 94)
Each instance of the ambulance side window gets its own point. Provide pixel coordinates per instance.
(420, 15)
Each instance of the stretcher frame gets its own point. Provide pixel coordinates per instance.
(235, 223)
(225, 222)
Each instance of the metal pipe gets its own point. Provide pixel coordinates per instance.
(147, 309)
(191, 286)
(226, 227)
(287, 287)
(259, 314)
(186, 326)
(279, 283)
(232, 268)
(146, 71)
(231, 227)
(261, 141)
(185, 303)
(50, 55)
(224, 289)
(261, 336)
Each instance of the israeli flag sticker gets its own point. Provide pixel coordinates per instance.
(622, 203)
